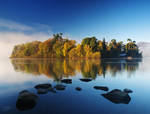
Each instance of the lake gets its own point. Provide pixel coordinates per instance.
(72, 86)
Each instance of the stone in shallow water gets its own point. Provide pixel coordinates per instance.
(86, 79)
(67, 81)
(42, 91)
(78, 88)
(128, 90)
(117, 96)
(43, 86)
(26, 100)
(23, 92)
(101, 88)
(60, 87)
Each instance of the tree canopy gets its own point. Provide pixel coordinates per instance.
(90, 47)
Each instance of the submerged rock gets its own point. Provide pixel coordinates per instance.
(23, 92)
(26, 100)
(42, 91)
(101, 88)
(67, 81)
(128, 90)
(117, 96)
(78, 88)
(86, 80)
(60, 87)
(43, 86)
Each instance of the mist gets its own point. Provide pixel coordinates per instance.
(144, 48)
(9, 39)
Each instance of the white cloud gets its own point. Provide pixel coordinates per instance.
(11, 25)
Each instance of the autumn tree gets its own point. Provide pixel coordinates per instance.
(90, 47)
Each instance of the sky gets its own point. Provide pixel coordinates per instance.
(27, 20)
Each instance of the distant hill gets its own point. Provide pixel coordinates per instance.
(145, 48)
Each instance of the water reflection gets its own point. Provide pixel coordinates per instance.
(57, 69)
(77, 95)
(60, 70)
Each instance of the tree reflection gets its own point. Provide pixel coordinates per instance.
(89, 68)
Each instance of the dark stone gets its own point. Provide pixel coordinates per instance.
(24, 91)
(117, 96)
(128, 90)
(43, 86)
(86, 80)
(26, 100)
(42, 91)
(101, 88)
(78, 88)
(67, 81)
(60, 87)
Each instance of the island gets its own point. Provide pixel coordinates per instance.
(90, 47)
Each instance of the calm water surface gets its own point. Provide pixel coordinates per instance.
(24, 74)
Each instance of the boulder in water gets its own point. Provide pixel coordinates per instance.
(78, 88)
(86, 79)
(43, 86)
(60, 87)
(117, 96)
(26, 100)
(128, 90)
(67, 81)
(42, 91)
(101, 88)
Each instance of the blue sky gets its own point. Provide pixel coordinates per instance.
(27, 20)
